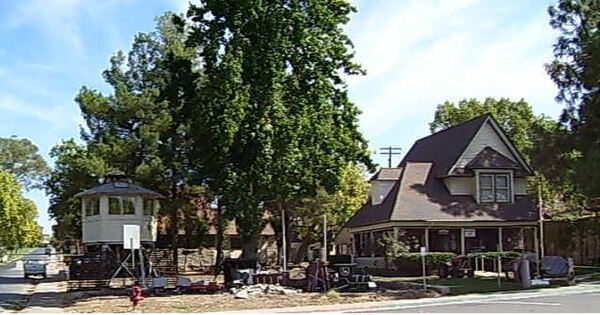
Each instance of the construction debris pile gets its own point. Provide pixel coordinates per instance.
(246, 291)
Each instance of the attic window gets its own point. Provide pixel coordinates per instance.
(494, 187)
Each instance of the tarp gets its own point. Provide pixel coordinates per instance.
(555, 265)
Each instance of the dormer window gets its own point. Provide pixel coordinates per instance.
(494, 187)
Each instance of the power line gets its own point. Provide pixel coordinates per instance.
(389, 151)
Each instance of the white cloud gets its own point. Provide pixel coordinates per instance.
(57, 116)
(420, 54)
(58, 19)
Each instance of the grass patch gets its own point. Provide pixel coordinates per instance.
(585, 270)
(474, 285)
(460, 286)
(402, 279)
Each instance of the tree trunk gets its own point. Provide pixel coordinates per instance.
(303, 249)
(219, 239)
(288, 234)
(174, 227)
(249, 248)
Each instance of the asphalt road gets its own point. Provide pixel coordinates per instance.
(14, 288)
(576, 303)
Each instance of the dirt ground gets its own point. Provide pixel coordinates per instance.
(80, 303)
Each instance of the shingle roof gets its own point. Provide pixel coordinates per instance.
(444, 147)
(389, 173)
(118, 188)
(421, 195)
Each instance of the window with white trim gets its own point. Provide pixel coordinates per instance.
(494, 187)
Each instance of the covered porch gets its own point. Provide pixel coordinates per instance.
(450, 237)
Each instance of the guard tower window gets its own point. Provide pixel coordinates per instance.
(121, 205)
(92, 207)
(150, 206)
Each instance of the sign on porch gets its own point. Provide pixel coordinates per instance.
(470, 233)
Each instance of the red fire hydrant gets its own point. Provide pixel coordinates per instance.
(136, 294)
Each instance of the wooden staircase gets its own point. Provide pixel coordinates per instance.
(162, 263)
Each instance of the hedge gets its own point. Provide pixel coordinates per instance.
(511, 255)
(433, 258)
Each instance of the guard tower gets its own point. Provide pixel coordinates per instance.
(105, 209)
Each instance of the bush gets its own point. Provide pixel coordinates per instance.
(511, 255)
(434, 258)
(409, 264)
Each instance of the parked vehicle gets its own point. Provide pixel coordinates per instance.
(35, 268)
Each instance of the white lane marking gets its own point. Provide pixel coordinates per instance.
(522, 303)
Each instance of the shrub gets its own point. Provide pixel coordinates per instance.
(511, 255)
(433, 258)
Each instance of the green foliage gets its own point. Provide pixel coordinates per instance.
(18, 226)
(495, 255)
(273, 113)
(393, 244)
(20, 158)
(75, 169)
(575, 72)
(338, 206)
(433, 258)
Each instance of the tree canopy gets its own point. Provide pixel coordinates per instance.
(20, 157)
(575, 71)
(18, 226)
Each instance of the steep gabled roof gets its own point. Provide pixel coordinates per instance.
(445, 147)
(387, 173)
(420, 196)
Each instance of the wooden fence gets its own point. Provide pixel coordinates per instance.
(579, 239)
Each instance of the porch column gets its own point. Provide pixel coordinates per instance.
(427, 239)
(352, 247)
(396, 232)
(536, 243)
(373, 244)
(500, 239)
(463, 246)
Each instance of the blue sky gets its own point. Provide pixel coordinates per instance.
(417, 53)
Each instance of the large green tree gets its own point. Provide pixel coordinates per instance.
(139, 130)
(20, 157)
(18, 226)
(289, 127)
(337, 207)
(575, 71)
(75, 169)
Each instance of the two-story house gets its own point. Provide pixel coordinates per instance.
(459, 190)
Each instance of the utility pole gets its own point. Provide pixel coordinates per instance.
(284, 239)
(389, 151)
(541, 214)
(324, 237)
